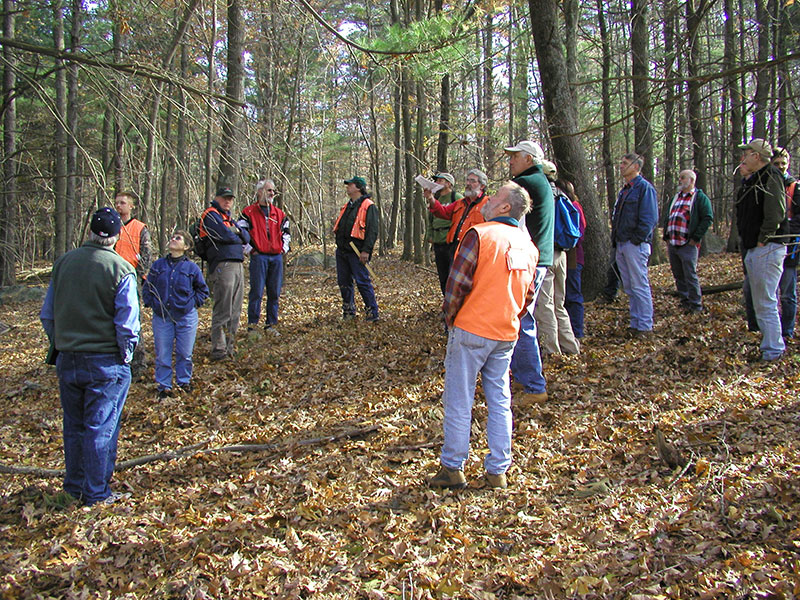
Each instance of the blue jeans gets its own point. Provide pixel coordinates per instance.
(573, 301)
(169, 334)
(632, 262)
(349, 268)
(93, 390)
(526, 362)
(788, 291)
(764, 266)
(266, 270)
(683, 262)
(467, 355)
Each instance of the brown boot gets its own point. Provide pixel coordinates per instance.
(448, 478)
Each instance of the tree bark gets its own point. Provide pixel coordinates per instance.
(234, 89)
(605, 86)
(695, 11)
(8, 207)
(562, 120)
(488, 97)
(60, 134)
(640, 68)
(761, 100)
(73, 205)
(670, 131)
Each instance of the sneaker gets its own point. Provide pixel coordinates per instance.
(496, 481)
(164, 393)
(115, 497)
(530, 399)
(448, 478)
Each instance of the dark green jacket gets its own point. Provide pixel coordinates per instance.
(541, 219)
(85, 283)
(700, 217)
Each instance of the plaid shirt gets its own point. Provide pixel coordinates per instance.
(678, 223)
(459, 282)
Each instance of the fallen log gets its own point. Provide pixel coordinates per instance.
(725, 287)
(198, 449)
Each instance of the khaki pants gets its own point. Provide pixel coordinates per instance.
(227, 285)
(552, 319)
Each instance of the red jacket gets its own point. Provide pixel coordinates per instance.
(266, 233)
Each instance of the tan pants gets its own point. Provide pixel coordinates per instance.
(227, 285)
(552, 320)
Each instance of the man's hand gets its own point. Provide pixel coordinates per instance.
(363, 257)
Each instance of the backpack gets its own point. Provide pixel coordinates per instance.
(567, 228)
(201, 242)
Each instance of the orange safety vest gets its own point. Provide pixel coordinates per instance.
(506, 267)
(473, 217)
(129, 244)
(360, 224)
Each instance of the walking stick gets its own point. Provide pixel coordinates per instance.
(366, 264)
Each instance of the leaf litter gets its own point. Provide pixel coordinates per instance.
(338, 425)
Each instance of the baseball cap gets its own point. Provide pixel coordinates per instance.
(225, 192)
(447, 177)
(759, 146)
(359, 181)
(106, 222)
(532, 148)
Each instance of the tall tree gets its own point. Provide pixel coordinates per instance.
(640, 69)
(605, 85)
(562, 121)
(761, 98)
(229, 152)
(60, 134)
(8, 208)
(695, 11)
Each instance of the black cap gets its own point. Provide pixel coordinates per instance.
(225, 192)
(106, 222)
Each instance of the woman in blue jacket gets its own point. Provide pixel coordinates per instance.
(174, 289)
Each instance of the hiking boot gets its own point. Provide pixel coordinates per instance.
(373, 318)
(186, 389)
(164, 393)
(448, 478)
(496, 481)
(634, 333)
(530, 399)
(218, 355)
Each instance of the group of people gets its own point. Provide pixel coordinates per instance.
(511, 295)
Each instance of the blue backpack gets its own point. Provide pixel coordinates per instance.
(567, 229)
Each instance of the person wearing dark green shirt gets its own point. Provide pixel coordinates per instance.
(438, 227)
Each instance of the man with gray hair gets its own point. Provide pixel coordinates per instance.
(91, 316)
(269, 241)
(525, 162)
(762, 223)
(634, 217)
(688, 219)
(463, 213)
(488, 288)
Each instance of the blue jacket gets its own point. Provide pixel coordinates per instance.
(174, 288)
(226, 244)
(635, 213)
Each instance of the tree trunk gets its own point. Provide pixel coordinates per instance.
(375, 160)
(398, 167)
(761, 100)
(182, 156)
(605, 86)
(60, 134)
(73, 205)
(562, 119)
(488, 97)
(640, 53)
(695, 11)
(736, 100)
(167, 207)
(116, 103)
(408, 153)
(419, 150)
(8, 204)
(234, 89)
(572, 12)
(670, 131)
(444, 125)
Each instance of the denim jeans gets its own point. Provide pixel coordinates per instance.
(349, 268)
(764, 267)
(632, 262)
(467, 355)
(683, 262)
(93, 390)
(169, 334)
(526, 362)
(266, 270)
(788, 292)
(573, 301)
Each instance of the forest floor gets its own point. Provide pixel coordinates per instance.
(343, 422)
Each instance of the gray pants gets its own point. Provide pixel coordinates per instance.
(227, 285)
(683, 262)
